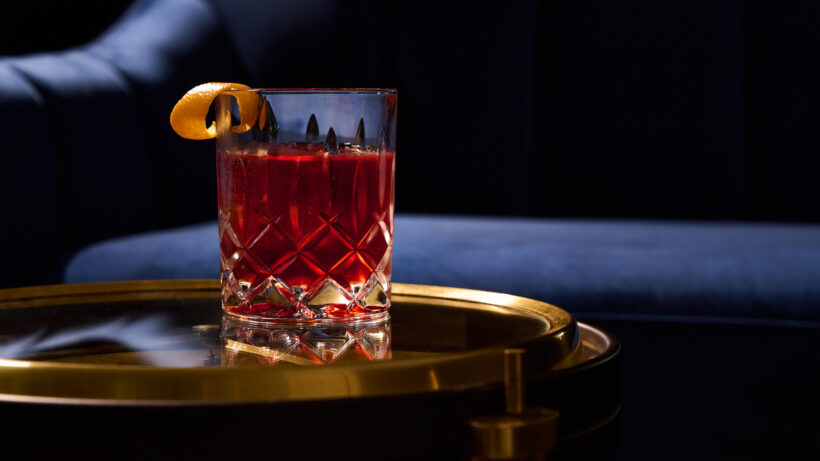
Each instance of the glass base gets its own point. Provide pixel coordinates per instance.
(273, 300)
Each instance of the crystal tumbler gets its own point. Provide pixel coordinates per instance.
(306, 203)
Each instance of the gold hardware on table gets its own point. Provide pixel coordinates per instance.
(521, 434)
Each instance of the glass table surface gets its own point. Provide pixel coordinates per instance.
(154, 341)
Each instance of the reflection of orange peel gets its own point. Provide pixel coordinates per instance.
(188, 115)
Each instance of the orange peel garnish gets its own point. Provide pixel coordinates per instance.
(189, 114)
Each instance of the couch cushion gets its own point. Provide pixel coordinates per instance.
(599, 268)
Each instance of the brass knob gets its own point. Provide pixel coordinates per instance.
(521, 434)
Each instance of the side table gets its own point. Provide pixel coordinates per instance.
(132, 369)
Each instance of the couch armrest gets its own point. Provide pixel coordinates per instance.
(87, 135)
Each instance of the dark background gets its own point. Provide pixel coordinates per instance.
(646, 109)
(693, 110)
(51, 25)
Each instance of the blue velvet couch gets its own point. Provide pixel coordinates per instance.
(718, 314)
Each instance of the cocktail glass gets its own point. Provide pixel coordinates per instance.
(306, 204)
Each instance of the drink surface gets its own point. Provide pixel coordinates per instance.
(303, 233)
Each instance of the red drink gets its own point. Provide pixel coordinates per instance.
(304, 233)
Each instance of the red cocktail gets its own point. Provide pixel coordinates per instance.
(299, 228)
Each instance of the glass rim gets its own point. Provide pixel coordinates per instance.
(374, 91)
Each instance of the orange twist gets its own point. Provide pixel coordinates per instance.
(189, 113)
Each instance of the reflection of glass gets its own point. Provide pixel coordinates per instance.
(246, 344)
(306, 204)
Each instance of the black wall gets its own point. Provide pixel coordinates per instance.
(673, 109)
(683, 109)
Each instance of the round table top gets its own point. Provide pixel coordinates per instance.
(168, 341)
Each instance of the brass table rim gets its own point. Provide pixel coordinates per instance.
(610, 350)
(48, 381)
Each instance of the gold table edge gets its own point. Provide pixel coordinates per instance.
(446, 372)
